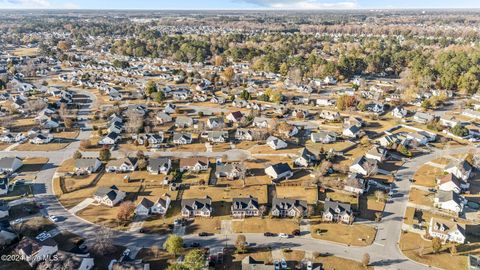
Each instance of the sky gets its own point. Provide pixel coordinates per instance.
(236, 4)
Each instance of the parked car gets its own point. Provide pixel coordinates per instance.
(283, 264)
(283, 235)
(195, 244)
(126, 252)
(276, 265)
(53, 218)
(269, 234)
(296, 232)
(203, 234)
(309, 265)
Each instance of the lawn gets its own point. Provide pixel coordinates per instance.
(354, 235)
(25, 52)
(104, 215)
(412, 245)
(343, 197)
(369, 205)
(298, 192)
(426, 216)
(158, 259)
(337, 263)
(426, 176)
(233, 262)
(421, 197)
(53, 146)
(259, 225)
(226, 194)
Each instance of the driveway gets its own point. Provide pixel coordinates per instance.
(82, 205)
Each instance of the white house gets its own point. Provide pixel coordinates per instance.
(450, 182)
(364, 166)
(10, 164)
(122, 165)
(197, 207)
(195, 164)
(87, 165)
(377, 153)
(276, 143)
(399, 112)
(182, 138)
(41, 139)
(159, 165)
(323, 137)
(109, 196)
(446, 230)
(461, 169)
(161, 206)
(450, 201)
(143, 207)
(111, 139)
(351, 132)
(279, 171)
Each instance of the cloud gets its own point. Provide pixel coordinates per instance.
(36, 4)
(304, 4)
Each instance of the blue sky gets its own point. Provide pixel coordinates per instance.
(237, 4)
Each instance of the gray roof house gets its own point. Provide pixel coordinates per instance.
(288, 207)
(245, 207)
(337, 212)
(197, 207)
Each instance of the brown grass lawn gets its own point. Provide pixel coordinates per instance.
(316, 147)
(30, 168)
(442, 161)
(368, 206)
(412, 243)
(67, 166)
(259, 225)
(299, 192)
(41, 147)
(234, 262)
(209, 225)
(100, 214)
(265, 149)
(426, 216)
(25, 51)
(355, 235)
(3, 146)
(337, 263)
(342, 197)
(226, 194)
(426, 175)
(196, 178)
(421, 197)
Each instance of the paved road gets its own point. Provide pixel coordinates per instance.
(384, 252)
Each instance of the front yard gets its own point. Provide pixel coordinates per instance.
(259, 225)
(353, 235)
(426, 175)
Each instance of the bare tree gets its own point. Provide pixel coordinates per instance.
(103, 242)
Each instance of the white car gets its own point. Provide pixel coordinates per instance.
(276, 265)
(309, 265)
(126, 252)
(283, 263)
(53, 218)
(283, 235)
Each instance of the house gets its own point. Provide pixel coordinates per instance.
(279, 171)
(329, 115)
(276, 143)
(194, 164)
(143, 207)
(161, 206)
(446, 230)
(399, 112)
(288, 207)
(197, 207)
(183, 122)
(351, 132)
(163, 118)
(244, 135)
(215, 122)
(111, 139)
(471, 113)
(235, 117)
(323, 137)
(473, 262)
(159, 165)
(324, 102)
(450, 201)
(229, 170)
(10, 164)
(128, 265)
(70, 260)
(182, 138)
(423, 118)
(122, 165)
(245, 207)
(353, 121)
(154, 140)
(388, 140)
(417, 137)
(249, 263)
(115, 127)
(217, 136)
(450, 182)
(337, 212)
(3, 185)
(305, 158)
(87, 165)
(355, 184)
(170, 108)
(263, 122)
(449, 121)
(34, 251)
(109, 196)
(330, 80)
(41, 139)
(364, 166)
(461, 169)
(377, 153)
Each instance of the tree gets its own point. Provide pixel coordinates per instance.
(63, 45)
(453, 249)
(77, 155)
(195, 259)
(68, 122)
(379, 195)
(159, 96)
(177, 266)
(245, 95)
(126, 210)
(150, 87)
(240, 243)
(228, 74)
(361, 106)
(436, 244)
(103, 243)
(85, 144)
(142, 164)
(459, 130)
(173, 244)
(104, 154)
(403, 150)
(366, 259)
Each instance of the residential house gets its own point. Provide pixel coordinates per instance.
(305, 158)
(182, 138)
(355, 184)
(249, 263)
(450, 201)
(419, 138)
(217, 136)
(423, 118)
(330, 115)
(324, 102)
(170, 108)
(161, 206)
(154, 140)
(143, 207)
(111, 139)
(34, 251)
(450, 182)
(195, 164)
(10, 164)
(245, 207)
(263, 122)
(229, 170)
(276, 143)
(461, 169)
(351, 132)
(197, 207)
(364, 166)
(337, 212)
(446, 230)
(163, 118)
(288, 207)
(215, 122)
(122, 165)
(323, 137)
(279, 171)
(87, 165)
(183, 122)
(109, 196)
(72, 261)
(399, 112)
(159, 165)
(388, 140)
(353, 121)
(235, 117)
(471, 113)
(449, 121)
(244, 135)
(377, 153)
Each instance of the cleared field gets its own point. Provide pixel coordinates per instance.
(259, 225)
(354, 235)
(426, 175)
